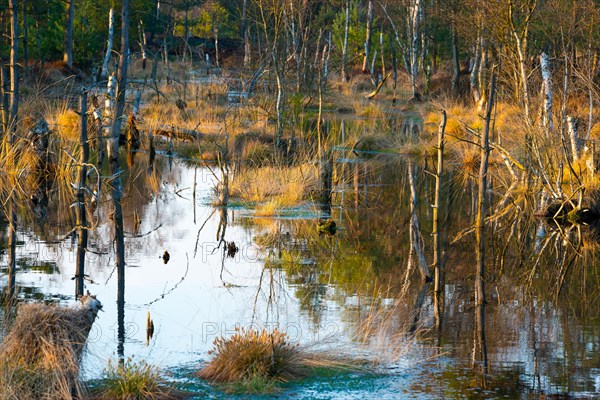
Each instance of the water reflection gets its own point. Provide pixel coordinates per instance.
(356, 286)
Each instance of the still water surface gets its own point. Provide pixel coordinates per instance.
(348, 294)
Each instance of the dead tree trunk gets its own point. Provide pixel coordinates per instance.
(113, 154)
(480, 225)
(521, 38)
(109, 43)
(81, 222)
(436, 208)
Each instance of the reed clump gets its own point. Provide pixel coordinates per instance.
(133, 380)
(258, 361)
(41, 351)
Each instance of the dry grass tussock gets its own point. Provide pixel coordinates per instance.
(40, 354)
(133, 380)
(258, 360)
(280, 186)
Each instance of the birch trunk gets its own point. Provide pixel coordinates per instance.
(108, 116)
(474, 77)
(414, 50)
(547, 110)
(143, 44)
(216, 30)
(367, 43)
(279, 105)
(109, 44)
(68, 52)
(574, 136)
(345, 44)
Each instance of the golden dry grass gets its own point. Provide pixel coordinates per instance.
(256, 361)
(133, 380)
(40, 354)
(278, 186)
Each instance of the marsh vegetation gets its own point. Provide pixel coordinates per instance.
(312, 199)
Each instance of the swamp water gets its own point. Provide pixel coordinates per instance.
(350, 293)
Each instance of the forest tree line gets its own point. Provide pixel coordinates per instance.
(438, 46)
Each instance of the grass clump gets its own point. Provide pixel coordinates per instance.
(133, 380)
(40, 354)
(254, 359)
(273, 187)
(258, 361)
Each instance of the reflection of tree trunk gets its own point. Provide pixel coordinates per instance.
(12, 249)
(326, 174)
(356, 181)
(121, 326)
(80, 209)
(479, 223)
(415, 232)
(436, 208)
(116, 186)
(417, 308)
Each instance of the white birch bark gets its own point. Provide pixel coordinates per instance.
(143, 44)
(345, 45)
(109, 43)
(474, 77)
(573, 135)
(367, 43)
(108, 114)
(414, 50)
(547, 78)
